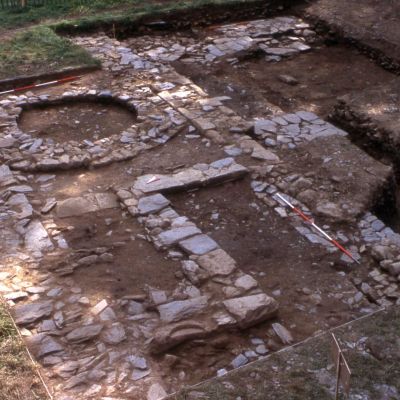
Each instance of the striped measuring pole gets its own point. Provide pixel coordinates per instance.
(38, 85)
(321, 231)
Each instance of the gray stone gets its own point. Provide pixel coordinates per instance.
(84, 333)
(36, 237)
(75, 207)
(217, 262)
(224, 163)
(307, 116)
(156, 183)
(108, 315)
(156, 392)
(137, 374)
(377, 225)
(394, 269)
(115, 334)
(178, 310)
(135, 308)
(292, 118)
(152, 204)
(329, 209)
(15, 296)
(282, 333)
(137, 362)
(261, 349)
(290, 80)
(251, 310)
(6, 143)
(42, 345)
(246, 282)
(50, 204)
(157, 296)
(173, 236)
(260, 153)
(198, 245)
(264, 125)
(233, 151)
(239, 361)
(29, 313)
(280, 51)
(106, 200)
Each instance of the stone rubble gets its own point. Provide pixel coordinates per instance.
(80, 344)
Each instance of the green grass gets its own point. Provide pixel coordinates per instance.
(18, 378)
(293, 373)
(78, 12)
(40, 50)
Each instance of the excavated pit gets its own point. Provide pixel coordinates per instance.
(104, 249)
(76, 120)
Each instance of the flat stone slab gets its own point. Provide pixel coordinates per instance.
(115, 334)
(36, 237)
(75, 207)
(199, 175)
(198, 245)
(217, 262)
(42, 345)
(178, 310)
(172, 236)
(152, 204)
(251, 310)
(84, 333)
(29, 313)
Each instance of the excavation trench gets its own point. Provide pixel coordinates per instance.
(311, 282)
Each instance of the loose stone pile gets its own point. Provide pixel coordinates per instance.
(290, 130)
(276, 38)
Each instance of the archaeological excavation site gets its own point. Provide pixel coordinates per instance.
(194, 217)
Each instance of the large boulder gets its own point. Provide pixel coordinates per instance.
(251, 310)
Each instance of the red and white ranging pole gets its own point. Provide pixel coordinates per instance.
(38, 85)
(311, 222)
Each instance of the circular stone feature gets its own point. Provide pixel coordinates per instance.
(78, 121)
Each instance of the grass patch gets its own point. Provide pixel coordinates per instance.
(300, 372)
(40, 50)
(18, 378)
(85, 12)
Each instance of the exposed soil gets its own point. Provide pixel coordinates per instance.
(178, 153)
(368, 23)
(274, 253)
(76, 121)
(312, 286)
(134, 259)
(323, 75)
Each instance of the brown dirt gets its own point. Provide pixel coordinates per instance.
(76, 121)
(269, 248)
(324, 74)
(367, 21)
(134, 259)
(177, 153)
(264, 245)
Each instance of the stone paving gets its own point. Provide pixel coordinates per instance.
(24, 152)
(77, 341)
